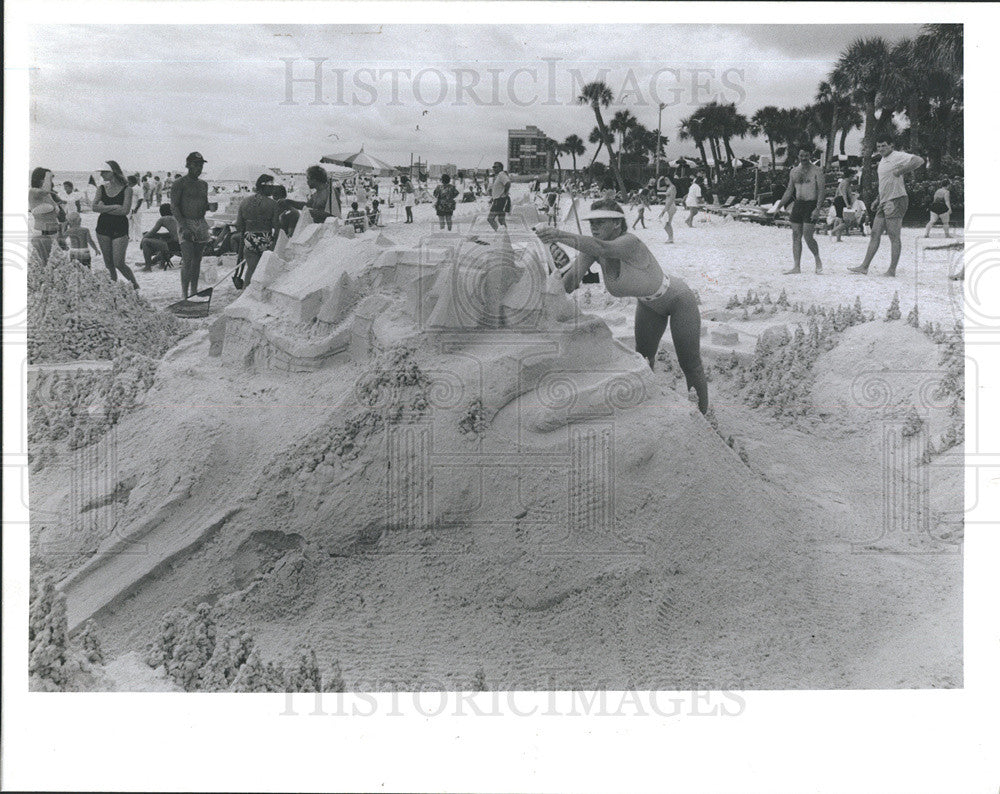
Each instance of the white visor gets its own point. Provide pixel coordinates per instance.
(600, 215)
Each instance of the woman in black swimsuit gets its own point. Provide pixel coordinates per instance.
(113, 201)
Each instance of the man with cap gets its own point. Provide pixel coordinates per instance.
(499, 196)
(188, 204)
(631, 270)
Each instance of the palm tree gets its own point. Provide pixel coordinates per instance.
(865, 65)
(734, 125)
(573, 146)
(622, 124)
(598, 95)
(555, 150)
(690, 129)
(767, 122)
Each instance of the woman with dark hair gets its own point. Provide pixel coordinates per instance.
(256, 226)
(631, 270)
(44, 206)
(444, 201)
(322, 203)
(114, 202)
(941, 208)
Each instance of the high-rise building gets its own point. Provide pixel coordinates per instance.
(526, 151)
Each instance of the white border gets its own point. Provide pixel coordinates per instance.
(930, 741)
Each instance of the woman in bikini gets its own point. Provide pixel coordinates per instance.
(669, 206)
(114, 201)
(631, 270)
(257, 222)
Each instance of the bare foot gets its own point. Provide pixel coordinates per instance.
(819, 270)
(794, 271)
(862, 270)
(889, 274)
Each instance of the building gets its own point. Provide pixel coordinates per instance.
(435, 171)
(527, 151)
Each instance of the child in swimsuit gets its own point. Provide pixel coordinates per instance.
(79, 239)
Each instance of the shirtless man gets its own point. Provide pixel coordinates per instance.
(188, 204)
(805, 184)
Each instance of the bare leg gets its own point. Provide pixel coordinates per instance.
(811, 244)
(796, 250)
(669, 225)
(946, 222)
(252, 258)
(190, 267)
(109, 256)
(893, 226)
(118, 246)
(930, 225)
(685, 330)
(649, 329)
(150, 246)
(491, 219)
(873, 243)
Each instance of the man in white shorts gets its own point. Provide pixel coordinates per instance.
(499, 197)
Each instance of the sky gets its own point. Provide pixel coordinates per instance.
(285, 95)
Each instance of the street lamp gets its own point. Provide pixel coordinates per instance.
(659, 137)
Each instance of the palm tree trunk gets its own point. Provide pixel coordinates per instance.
(730, 155)
(831, 138)
(770, 142)
(701, 148)
(843, 140)
(611, 155)
(596, 152)
(867, 148)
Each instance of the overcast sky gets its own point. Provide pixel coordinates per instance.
(147, 95)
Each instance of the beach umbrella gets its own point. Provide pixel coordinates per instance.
(245, 173)
(359, 161)
(339, 172)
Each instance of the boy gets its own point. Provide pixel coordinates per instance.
(79, 239)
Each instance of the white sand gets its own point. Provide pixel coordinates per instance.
(715, 574)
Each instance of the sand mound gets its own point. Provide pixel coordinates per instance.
(878, 370)
(76, 313)
(427, 462)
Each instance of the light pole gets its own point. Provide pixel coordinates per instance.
(659, 134)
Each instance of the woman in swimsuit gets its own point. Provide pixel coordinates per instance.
(113, 201)
(941, 209)
(669, 206)
(630, 269)
(256, 223)
(44, 206)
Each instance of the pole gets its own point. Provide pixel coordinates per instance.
(659, 135)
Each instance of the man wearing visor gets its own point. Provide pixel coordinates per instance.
(631, 270)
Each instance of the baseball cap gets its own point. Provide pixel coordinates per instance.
(195, 156)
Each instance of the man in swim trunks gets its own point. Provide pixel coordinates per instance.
(892, 201)
(805, 186)
(630, 269)
(188, 205)
(499, 197)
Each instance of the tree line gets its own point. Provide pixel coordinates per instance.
(873, 84)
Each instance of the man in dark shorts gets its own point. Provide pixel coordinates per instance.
(805, 189)
(188, 205)
(499, 197)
